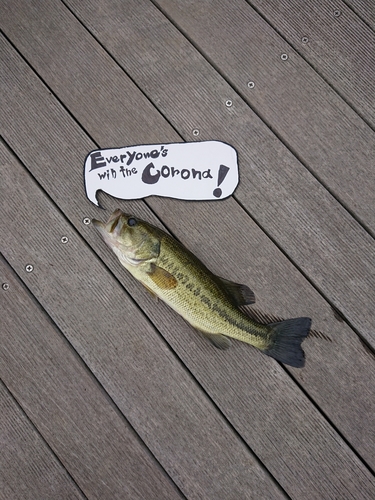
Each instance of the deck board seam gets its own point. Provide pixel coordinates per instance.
(50, 90)
(237, 91)
(149, 315)
(349, 6)
(264, 120)
(329, 421)
(121, 67)
(40, 435)
(308, 279)
(186, 368)
(81, 360)
(300, 54)
(233, 86)
(172, 351)
(248, 213)
(234, 196)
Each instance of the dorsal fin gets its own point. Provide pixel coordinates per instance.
(218, 340)
(241, 294)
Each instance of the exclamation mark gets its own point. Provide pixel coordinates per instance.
(223, 170)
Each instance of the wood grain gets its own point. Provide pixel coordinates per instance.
(28, 468)
(365, 9)
(284, 198)
(305, 112)
(340, 46)
(160, 399)
(41, 130)
(274, 425)
(70, 409)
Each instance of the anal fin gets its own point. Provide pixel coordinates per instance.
(218, 340)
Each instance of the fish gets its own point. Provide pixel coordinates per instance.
(211, 304)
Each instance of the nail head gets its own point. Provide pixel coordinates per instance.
(86, 221)
(5, 286)
(251, 85)
(29, 268)
(284, 57)
(195, 132)
(304, 39)
(64, 239)
(228, 103)
(337, 13)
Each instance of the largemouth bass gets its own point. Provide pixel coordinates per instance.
(209, 303)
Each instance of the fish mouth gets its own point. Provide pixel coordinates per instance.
(115, 216)
(114, 225)
(111, 224)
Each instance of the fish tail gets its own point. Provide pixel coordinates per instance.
(287, 339)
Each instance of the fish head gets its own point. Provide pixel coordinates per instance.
(133, 240)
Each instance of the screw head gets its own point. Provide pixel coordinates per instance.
(228, 103)
(284, 57)
(195, 132)
(5, 286)
(337, 13)
(251, 85)
(29, 268)
(304, 39)
(64, 239)
(86, 221)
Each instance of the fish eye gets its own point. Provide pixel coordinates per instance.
(132, 221)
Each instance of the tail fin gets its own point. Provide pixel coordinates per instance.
(288, 336)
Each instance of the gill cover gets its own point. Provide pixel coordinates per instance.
(132, 240)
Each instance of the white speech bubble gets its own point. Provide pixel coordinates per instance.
(206, 170)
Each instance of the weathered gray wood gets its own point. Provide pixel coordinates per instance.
(70, 409)
(340, 46)
(324, 132)
(267, 428)
(28, 468)
(319, 127)
(311, 227)
(176, 420)
(365, 9)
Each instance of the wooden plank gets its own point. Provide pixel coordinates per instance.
(365, 9)
(309, 117)
(172, 415)
(340, 46)
(240, 381)
(323, 132)
(292, 206)
(69, 408)
(28, 468)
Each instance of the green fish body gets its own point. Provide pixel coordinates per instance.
(209, 303)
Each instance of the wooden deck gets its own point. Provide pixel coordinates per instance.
(106, 393)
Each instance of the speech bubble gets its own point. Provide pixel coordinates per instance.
(206, 170)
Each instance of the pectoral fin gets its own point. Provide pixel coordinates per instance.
(218, 340)
(162, 278)
(241, 294)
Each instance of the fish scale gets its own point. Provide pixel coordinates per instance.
(209, 303)
(206, 305)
